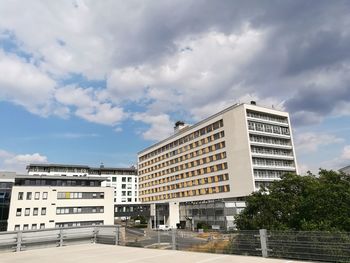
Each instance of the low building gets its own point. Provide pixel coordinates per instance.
(123, 180)
(7, 180)
(40, 201)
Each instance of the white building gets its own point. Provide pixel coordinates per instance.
(224, 157)
(39, 202)
(123, 180)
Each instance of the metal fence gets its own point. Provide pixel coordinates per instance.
(24, 240)
(313, 246)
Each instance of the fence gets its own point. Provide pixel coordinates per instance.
(315, 246)
(24, 240)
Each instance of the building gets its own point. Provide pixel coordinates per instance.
(40, 201)
(211, 166)
(345, 170)
(123, 180)
(7, 180)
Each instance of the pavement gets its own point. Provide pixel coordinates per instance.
(92, 253)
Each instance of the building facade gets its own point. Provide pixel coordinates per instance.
(224, 157)
(7, 180)
(124, 181)
(40, 202)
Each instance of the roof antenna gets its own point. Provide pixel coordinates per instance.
(102, 165)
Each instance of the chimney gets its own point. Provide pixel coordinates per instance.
(253, 102)
(178, 126)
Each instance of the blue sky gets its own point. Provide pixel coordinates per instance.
(87, 82)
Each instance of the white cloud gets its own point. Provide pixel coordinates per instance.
(18, 162)
(310, 142)
(24, 84)
(160, 125)
(346, 153)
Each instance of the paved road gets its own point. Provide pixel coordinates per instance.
(92, 253)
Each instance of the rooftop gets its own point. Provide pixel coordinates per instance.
(91, 253)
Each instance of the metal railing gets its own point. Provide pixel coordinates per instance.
(24, 240)
(314, 246)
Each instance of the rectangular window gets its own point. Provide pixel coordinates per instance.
(44, 195)
(17, 227)
(37, 196)
(35, 211)
(42, 226)
(25, 227)
(34, 227)
(27, 212)
(43, 211)
(20, 196)
(19, 212)
(114, 179)
(29, 195)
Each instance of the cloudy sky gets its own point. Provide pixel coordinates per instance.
(86, 82)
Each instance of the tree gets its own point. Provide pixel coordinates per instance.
(300, 203)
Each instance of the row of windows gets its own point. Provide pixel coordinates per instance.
(183, 149)
(124, 179)
(58, 169)
(79, 210)
(211, 127)
(264, 116)
(26, 227)
(207, 180)
(29, 195)
(81, 223)
(273, 162)
(258, 185)
(113, 172)
(196, 192)
(124, 200)
(27, 211)
(80, 195)
(269, 140)
(262, 127)
(206, 170)
(268, 173)
(271, 151)
(184, 166)
(128, 193)
(57, 182)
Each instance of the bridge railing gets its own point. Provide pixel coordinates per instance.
(24, 240)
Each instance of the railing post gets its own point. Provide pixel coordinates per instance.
(117, 235)
(19, 241)
(94, 239)
(263, 242)
(61, 237)
(173, 239)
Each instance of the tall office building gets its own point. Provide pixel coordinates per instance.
(123, 180)
(224, 157)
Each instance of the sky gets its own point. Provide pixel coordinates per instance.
(90, 82)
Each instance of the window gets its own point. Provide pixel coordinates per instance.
(29, 195)
(114, 179)
(44, 195)
(27, 212)
(35, 211)
(34, 227)
(123, 179)
(25, 227)
(42, 226)
(129, 179)
(17, 227)
(37, 196)
(20, 196)
(19, 212)
(43, 211)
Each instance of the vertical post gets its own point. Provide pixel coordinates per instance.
(263, 242)
(61, 237)
(158, 235)
(19, 241)
(173, 239)
(117, 235)
(94, 240)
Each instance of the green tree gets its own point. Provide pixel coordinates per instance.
(296, 202)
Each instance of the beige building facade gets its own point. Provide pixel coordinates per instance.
(228, 155)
